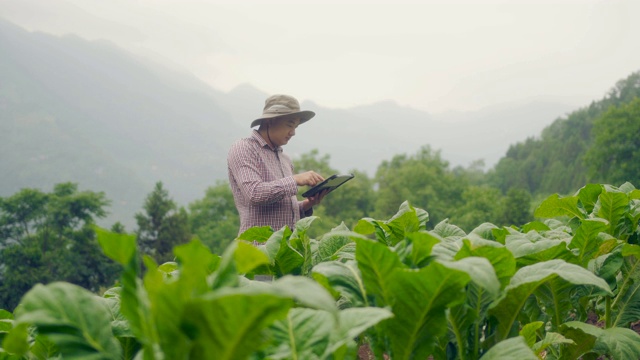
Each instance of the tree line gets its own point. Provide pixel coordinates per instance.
(48, 236)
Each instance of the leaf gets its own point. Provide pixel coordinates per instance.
(118, 247)
(376, 263)
(352, 322)
(304, 334)
(528, 332)
(259, 234)
(335, 245)
(344, 278)
(528, 279)
(532, 248)
(555, 206)
(588, 196)
(618, 343)
(304, 291)
(613, 206)
(514, 348)
(551, 338)
(419, 302)
(229, 323)
(587, 241)
(422, 242)
(74, 319)
(626, 304)
(16, 340)
(248, 257)
(448, 231)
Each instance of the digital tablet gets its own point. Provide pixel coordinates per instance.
(329, 183)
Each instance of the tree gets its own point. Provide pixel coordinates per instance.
(480, 204)
(424, 179)
(214, 219)
(614, 157)
(48, 237)
(517, 207)
(162, 226)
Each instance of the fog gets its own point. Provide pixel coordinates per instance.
(435, 56)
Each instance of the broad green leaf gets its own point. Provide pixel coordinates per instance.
(119, 247)
(485, 231)
(419, 302)
(229, 323)
(525, 282)
(352, 322)
(535, 225)
(613, 206)
(403, 222)
(16, 340)
(479, 270)
(227, 273)
(248, 257)
(626, 304)
(376, 263)
(303, 334)
(76, 320)
(514, 348)
(422, 242)
(555, 206)
(587, 241)
(6, 321)
(344, 278)
(448, 231)
(259, 234)
(551, 338)
(618, 343)
(529, 332)
(588, 196)
(305, 291)
(335, 244)
(531, 248)
(502, 260)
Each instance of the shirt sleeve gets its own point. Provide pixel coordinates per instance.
(243, 165)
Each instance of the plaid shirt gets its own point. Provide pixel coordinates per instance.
(264, 190)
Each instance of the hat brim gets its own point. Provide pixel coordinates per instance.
(304, 116)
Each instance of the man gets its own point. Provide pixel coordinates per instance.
(262, 177)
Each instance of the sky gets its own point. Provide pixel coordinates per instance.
(436, 56)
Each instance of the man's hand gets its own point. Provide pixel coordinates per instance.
(312, 201)
(310, 178)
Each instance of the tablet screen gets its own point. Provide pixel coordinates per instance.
(329, 183)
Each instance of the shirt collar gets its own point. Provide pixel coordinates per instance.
(263, 143)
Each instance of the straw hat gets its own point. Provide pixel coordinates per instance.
(281, 106)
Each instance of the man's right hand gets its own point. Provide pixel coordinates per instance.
(310, 178)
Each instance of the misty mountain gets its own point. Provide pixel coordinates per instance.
(88, 112)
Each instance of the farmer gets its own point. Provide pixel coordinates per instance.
(261, 176)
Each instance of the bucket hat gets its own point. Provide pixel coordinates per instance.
(282, 106)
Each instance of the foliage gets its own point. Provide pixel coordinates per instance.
(557, 162)
(615, 153)
(403, 289)
(47, 236)
(214, 219)
(162, 226)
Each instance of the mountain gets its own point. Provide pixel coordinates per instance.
(91, 113)
(87, 112)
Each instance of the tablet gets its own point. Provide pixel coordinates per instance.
(329, 183)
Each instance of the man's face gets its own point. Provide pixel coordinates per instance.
(282, 130)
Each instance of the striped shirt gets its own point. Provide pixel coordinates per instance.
(264, 190)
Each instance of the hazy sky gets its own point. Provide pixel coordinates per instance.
(431, 55)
